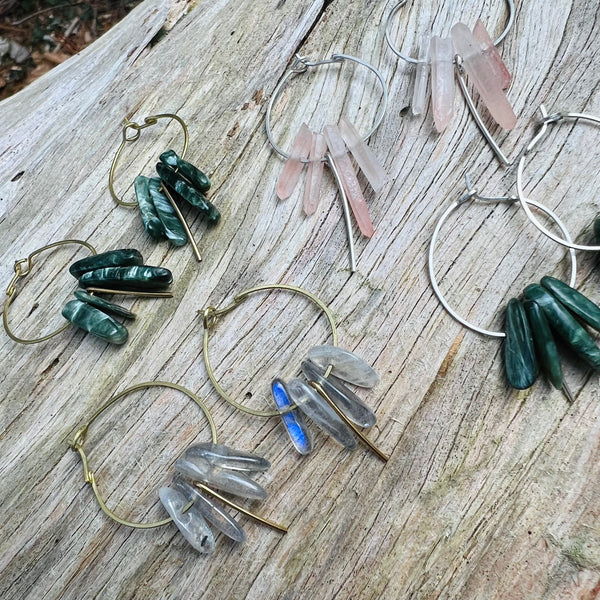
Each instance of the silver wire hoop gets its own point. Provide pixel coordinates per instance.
(471, 196)
(550, 120)
(300, 65)
(415, 61)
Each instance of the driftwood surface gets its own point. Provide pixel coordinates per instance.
(489, 493)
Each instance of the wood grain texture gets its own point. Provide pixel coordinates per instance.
(488, 493)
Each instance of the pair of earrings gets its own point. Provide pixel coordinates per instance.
(551, 308)
(192, 499)
(120, 272)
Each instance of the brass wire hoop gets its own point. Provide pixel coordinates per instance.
(22, 269)
(210, 316)
(148, 122)
(79, 438)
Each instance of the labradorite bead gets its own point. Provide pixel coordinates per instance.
(103, 305)
(113, 258)
(575, 301)
(137, 279)
(150, 219)
(194, 175)
(519, 354)
(187, 192)
(543, 340)
(94, 321)
(166, 213)
(563, 323)
(294, 420)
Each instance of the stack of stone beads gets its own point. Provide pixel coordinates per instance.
(184, 182)
(114, 271)
(552, 307)
(304, 399)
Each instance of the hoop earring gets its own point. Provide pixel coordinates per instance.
(323, 397)
(189, 501)
(331, 148)
(549, 308)
(471, 53)
(553, 119)
(114, 272)
(156, 196)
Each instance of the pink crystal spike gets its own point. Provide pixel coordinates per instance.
(314, 174)
(340, 157)
(484, 79)
(441, 55)
(293, 165)
(491, 54)
(364, 156)
(419, 99)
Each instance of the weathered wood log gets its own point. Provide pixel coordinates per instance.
(488, 493)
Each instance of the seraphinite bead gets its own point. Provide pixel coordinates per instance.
(316, 408)
(545, 346)
(191, 523)
(139, 278)
(597, 230)
(152, 223)
(293, 421)
(575, 301)
(113, 258)
(103, 305)
(95, 321)
(564, 324)
(234, 482)
(346, 365)
(345, 399)
(194, 175)
(174, 230)
(225, 457)
(187, 192)
(210, 511)
(519, 353)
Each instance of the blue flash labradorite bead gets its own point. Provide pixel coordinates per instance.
(103, 305)
(113, 258)
(194, 175)
(94, 321)
(519, 353)
(293, 421)
(136, 279)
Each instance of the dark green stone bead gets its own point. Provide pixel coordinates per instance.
(136, 279)
(150, 219)
(94, 321)
(166, 213)
(177, 183)
(194, 175)
(545, 346)
(597, 230)
(113, 258)
(575, 301)
(564, 324)
(103, 305)
(519, 354)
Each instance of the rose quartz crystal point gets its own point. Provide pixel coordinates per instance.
(294, 164)
(491, 54)
(339, 155)
(484, 78)
(419, 100)
(314, 174)
(364, 156)
(441, 55)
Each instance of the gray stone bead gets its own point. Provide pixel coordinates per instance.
(223, 456)
(346, 365)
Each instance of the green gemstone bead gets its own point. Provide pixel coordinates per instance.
(194, 175)
(564, 324)
(597, 230)
(575, 301)
(545, 346)
(113, 258)
(173, 228)
(103, 305)
(177, 183)
(519, 354)
(94, 321)
(150, 219)
(136, 279)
